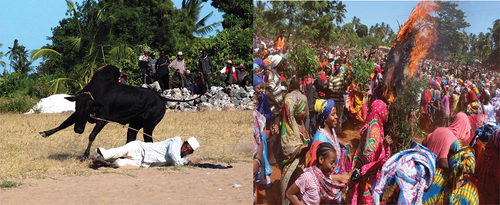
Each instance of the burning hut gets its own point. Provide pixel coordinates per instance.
(412, 44)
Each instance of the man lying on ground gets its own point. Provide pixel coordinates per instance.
(145, 154)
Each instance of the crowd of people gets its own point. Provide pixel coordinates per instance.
(296, 128)
(157, 73)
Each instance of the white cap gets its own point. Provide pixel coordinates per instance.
(146, 50)
(229, 61)
(193, 143)
(188, 71)
(179, 54)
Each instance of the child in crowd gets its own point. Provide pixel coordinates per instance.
(315, 185)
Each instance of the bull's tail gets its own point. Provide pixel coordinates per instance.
(174, 100)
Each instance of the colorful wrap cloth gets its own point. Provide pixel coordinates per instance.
(487, 173)
(370, 156)
(329, 189)
(259, 122)
(293, 136)
(412, 169)
(444, 188)
(323, 108)
(484, 132)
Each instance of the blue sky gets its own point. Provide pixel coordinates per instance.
(30, 22)
(479, 14)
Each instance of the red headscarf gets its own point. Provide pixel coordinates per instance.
(471, 96)
(378, 111)
(461, 127)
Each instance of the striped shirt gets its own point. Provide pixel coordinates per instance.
(309, 188)
(336, 84)
(274, 86)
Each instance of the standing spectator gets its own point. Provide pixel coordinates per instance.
(205, 66)
(230, 72)
(143, 64)
(163, 72)
(178, 64)
(275, 98)
(280, 41)
(176, 81)
(152, 63)
(337, 90)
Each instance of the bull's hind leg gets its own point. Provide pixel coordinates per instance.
(68, 122)
(98, 127)
(132, 134)
(148, 129)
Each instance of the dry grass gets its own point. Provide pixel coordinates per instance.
(224, 137)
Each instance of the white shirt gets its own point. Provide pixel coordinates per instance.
(166, 152)
(490, 112)
(224, 70)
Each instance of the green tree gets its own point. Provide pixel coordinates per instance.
(450, 23)
(2, 63)
(494, 57)
(19, 59)
(340, 13)
(362, 31)
(193, 8)
(237, 13)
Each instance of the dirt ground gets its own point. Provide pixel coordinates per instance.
(181, 185)
(350, 134)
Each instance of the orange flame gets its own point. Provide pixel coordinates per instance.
(425, 38)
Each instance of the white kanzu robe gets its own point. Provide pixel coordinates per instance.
(146, 154)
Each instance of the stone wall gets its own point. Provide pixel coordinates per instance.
(228, 98)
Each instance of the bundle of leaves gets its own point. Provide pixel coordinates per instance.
(304, 60)
(402, 124)
(359, 73)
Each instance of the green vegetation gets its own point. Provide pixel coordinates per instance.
(9, 184)
(97, 33)
(403, 120)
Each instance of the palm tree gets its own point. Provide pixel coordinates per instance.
(18, 56)
(356, 21)
(340, 13)
(193, 8)
(2, 63)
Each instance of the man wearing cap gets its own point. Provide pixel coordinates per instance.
(152, 63)
(274, 95)
(172, 151)
(178, 64)
(230, 72)
(143, 64)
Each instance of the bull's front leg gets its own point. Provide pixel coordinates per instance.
(68, 122)
(98, 127)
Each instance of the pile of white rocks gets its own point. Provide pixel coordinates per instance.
(228, 98)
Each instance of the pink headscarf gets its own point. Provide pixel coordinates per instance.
(378, 111)
(461, 127)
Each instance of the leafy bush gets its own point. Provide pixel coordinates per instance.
(9, 184)
(402, 125)
(304, 60)
(17, 104)
(359, 73)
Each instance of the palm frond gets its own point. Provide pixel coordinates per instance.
(75, 43)
(45, 53)
(206, 29)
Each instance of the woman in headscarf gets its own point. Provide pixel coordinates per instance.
(263, 104)
(495, 101)
(450, 186)
(476, 117)
(328, 119)
(487, 175)
(373, 151)
(440, 140)
(412, 169)
(295, 142)
(261, 168)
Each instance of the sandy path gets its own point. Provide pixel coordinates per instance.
(186, 185)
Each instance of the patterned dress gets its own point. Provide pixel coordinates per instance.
(370, 156)
(444, 189)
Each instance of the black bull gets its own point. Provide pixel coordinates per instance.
(107, 99)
